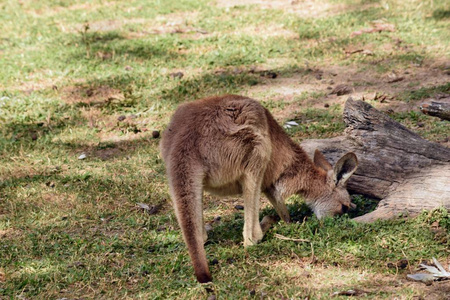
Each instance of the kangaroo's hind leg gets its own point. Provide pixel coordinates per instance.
(186, 190)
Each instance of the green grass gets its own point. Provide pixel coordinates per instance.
(70, 228)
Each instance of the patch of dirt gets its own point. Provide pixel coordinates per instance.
(162, 24)
(47, 11)
(108, 153)
(11, 234)
(304, 9)
(64, 201)
(305, 89)
(178, 23)
(122, 133)
(267, 30)
(5, 233)
(111, 127)
(111, 25)
(91, 95)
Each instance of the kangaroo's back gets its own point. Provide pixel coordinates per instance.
(218, 133)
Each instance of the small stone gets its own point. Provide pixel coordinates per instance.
(420, 124)
(212, 297)
(82, 156)
(155, 134)
(121, 118)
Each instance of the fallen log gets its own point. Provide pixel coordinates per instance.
(406, 172)
(437, 109)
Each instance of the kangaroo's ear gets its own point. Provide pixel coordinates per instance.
(321, 162)
(345, 167)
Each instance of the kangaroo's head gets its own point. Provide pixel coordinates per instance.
(334, 198)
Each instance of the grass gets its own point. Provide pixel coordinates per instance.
(97, 78)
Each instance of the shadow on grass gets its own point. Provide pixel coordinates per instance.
(28, 131)
(441, 14)
(23, 131)
(103, 46)
(231, 230)
(208, 84)
(100, 93)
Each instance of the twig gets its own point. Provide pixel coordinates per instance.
(282, 237)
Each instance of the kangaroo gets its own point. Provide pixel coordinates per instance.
(230, 145)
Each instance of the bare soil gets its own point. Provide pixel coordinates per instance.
(305, 8)
(367, 85)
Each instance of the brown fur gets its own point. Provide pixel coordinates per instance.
(232, 145)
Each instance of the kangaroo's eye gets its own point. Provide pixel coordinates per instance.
(344, 208)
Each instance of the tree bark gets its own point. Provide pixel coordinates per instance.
(406, 172)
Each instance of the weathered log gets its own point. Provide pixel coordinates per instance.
(437, 109)
(406, 172)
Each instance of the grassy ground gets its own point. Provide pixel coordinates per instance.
(98, 77)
